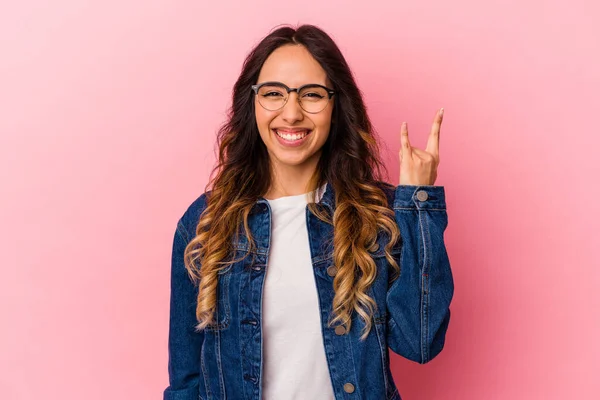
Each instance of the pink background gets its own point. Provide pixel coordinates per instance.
(108, 114)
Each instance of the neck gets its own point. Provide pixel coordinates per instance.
(291, 180)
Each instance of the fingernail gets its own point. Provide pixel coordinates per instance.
(442, 112)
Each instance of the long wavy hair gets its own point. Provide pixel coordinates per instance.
(242, 175)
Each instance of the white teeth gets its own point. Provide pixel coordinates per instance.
(291, 136)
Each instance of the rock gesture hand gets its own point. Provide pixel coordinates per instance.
(418, 167)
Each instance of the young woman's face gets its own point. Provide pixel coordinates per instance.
(294, 66)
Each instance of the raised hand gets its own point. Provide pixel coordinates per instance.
(419, 167)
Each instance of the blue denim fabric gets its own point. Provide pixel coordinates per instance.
(225, 360)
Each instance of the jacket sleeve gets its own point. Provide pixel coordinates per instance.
(418, 300)
(184, 343)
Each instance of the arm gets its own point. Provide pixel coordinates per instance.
(418, 300)
(184, 343)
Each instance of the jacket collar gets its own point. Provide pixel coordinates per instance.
(326, 198)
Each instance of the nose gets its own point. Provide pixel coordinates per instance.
(292, 111)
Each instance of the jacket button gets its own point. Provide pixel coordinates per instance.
(332, 270)
(348, 387)
(340, 330)
(422, 195)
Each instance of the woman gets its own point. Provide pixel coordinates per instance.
(293, 275)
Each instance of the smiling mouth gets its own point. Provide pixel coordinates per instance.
(291, 137)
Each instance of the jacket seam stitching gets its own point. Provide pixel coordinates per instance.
(205, 373)
(393, 394)
(421, 208)
(219, 363)
(385, 380)
(424, 292)
(182, 232)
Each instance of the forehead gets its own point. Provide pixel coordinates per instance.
(292, 65)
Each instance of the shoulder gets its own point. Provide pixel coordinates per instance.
(191, 216)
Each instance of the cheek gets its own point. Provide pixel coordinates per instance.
(324, 123)
(263, 119)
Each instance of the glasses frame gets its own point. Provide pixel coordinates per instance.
(330, 93)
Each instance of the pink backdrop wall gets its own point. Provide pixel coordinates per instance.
(108, 111)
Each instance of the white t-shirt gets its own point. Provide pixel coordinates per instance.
(294, 362)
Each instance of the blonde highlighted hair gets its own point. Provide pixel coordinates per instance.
(349, 162)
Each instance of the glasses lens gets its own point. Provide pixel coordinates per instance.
(313, 98)
(272, 97)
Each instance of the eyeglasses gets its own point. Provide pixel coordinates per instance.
(313, 98)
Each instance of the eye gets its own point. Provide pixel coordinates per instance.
(272, 94)
(313, 95)
(271, 91)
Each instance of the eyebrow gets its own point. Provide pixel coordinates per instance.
(304, 84)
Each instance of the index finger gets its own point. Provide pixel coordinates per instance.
(433, 142)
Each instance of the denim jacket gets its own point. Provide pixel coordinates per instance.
(224, 361)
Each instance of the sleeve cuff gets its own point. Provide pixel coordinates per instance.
(420, 197)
